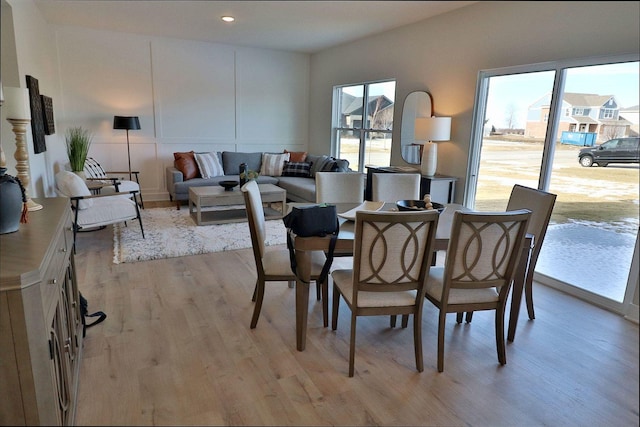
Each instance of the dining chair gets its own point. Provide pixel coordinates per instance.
(541, 204)
(391, 187)
(340, 187)
(481, 262)
(390, 265)
(274, 264)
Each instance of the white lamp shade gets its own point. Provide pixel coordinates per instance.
(433, 128)
(15, 103)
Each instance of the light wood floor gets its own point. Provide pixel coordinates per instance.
(176, 349)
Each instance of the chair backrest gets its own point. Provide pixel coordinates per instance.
(255, 217)
(93, 169)
(540, 204)
(391, 187)
(339, 187)
(393, 251)
(484, 249)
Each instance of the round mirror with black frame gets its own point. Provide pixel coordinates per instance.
(416, 104)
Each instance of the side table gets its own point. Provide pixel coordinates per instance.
(441, 187)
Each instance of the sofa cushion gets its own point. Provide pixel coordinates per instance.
(317, 163)
(301, 169)
(231, 161)
(298, 189)
(272, 164)
(209, 164)
(186, 163)
(296, 156)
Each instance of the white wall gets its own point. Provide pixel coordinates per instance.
(185, 92)
(443, 55)
(28, 48)
(189, 95)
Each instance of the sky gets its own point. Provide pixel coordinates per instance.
(518, 91)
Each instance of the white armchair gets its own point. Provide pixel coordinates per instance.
(113, 181)
(91, 211)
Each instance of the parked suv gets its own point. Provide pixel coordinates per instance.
(617, 150)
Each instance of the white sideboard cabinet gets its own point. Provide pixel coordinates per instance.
(40, 323)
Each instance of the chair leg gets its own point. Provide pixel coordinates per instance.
(255, 291)
(334, 308)
(441, 325)
(528, 292)
(459, 317)
(405, 320)
(392, 321)
(318, 291)
(469, 316)
(325, 302)
(258, 306)
(352, 344)
(417, 340)
(500, 344)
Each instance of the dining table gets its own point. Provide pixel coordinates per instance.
(304, 246)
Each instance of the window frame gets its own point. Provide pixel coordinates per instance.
(362, 131)
(554, 117)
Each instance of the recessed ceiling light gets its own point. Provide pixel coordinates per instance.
(228, 18)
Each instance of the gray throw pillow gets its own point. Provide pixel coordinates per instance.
(321, 164)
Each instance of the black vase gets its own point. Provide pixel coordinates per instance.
(243, 174)
(11, 199)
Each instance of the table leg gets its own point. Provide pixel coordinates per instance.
(303, 261)
(518, 287)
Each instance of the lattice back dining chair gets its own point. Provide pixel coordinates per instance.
(481, 263)
(274, 264)
(391, 187)
(541, 204)
(113, 181)
(390, 265)
(340, 187)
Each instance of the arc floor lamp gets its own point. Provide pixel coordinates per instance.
(128, 123)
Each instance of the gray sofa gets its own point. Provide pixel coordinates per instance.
(299, 189)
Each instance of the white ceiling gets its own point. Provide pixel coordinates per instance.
(300, 26)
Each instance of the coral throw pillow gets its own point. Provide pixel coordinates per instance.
(296, 156)
(186, 163)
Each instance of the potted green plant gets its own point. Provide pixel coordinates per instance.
(78, 142)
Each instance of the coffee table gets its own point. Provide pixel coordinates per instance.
(204, 200)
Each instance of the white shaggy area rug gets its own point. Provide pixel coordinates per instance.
(172, 233)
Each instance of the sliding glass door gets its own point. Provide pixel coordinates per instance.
(531, 125)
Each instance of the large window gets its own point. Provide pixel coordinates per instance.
(523, 134)
(363, 123)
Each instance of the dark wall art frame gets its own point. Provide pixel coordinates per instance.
(47, 115)
(37, 120)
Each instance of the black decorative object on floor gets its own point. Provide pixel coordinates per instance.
(84, 313)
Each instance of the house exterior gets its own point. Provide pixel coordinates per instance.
(379, 108)
(581, 112)
(632, 114)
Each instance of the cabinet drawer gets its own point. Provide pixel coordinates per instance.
(56, 269)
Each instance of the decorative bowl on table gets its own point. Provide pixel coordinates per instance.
(417, 205)
(228, 185)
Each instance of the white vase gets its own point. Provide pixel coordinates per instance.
(429, 159)
(81, 175)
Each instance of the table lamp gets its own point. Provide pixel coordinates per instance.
(428, 130)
